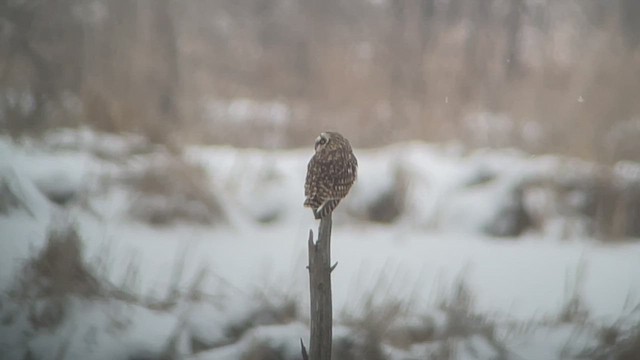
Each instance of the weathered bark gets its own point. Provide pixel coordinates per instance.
(320, 287)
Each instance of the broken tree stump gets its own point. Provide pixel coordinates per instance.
(321, 308)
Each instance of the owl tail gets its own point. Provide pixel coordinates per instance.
(326, 208)
(307, 202)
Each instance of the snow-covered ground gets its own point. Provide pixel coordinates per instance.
(422, 223)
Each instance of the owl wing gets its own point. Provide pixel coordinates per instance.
(310, 183)
(353, 165)
(345, 172)
(328, 181)
(320, 184)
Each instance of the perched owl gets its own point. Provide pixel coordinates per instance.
(330, 173)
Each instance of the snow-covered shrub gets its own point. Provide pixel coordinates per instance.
(621, 140)
(58, 269)
(8, 199)
(18, 193)
(264, 342)
(263, 350)
(221, 325)
(260, 192)
(606, 205)
(173, 190)
(370, 329)
(615, 343)
(489, 203)
(385, 328)
(512, 218)
(388, 205)
(268, 313)
(48, 279)
(58, 190)
(622, 195)
(380, 193)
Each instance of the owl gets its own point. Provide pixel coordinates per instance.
(330, 173)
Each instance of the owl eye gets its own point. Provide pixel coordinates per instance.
(322, 141)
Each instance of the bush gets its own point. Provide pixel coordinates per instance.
(385, 205)
(512, 218)
(55, 273)
(174, 190)
(615, 344)
(59, 269)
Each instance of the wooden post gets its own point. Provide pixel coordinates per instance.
(320, 290)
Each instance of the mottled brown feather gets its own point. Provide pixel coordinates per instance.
(330, 174)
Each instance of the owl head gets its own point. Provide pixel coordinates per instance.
(328, 141)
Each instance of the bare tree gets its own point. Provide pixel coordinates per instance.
(514, 25)
(629, 13)
(35, 64)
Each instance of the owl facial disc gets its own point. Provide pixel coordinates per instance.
(321, 141)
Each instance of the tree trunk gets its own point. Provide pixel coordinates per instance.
(320, 287)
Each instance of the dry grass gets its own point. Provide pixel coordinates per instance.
(59, 269)
(386, 323)
(47, 281)
(573, 310)
(371, 329)
(264, 351)
(173, 190)
(388, 205)
(380, 72)
(614, 342)
(8, 199)
(271, 311)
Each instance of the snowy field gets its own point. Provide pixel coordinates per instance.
(441, 254)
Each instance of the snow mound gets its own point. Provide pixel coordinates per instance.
(18, 193)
